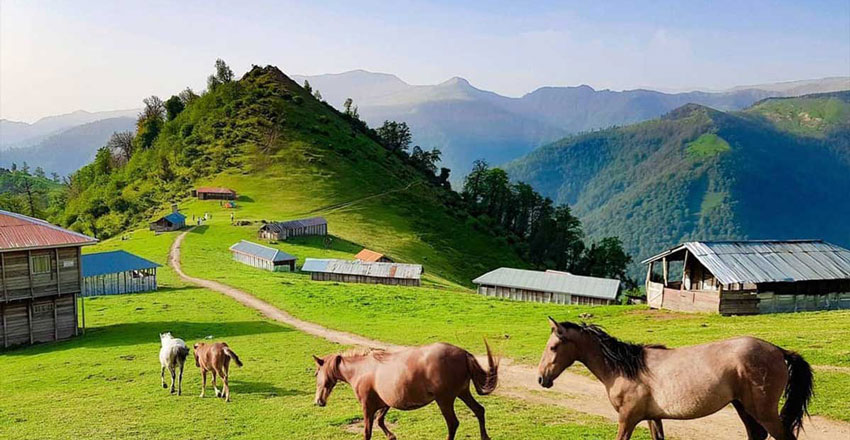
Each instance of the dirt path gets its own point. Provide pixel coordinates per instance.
(572, 391)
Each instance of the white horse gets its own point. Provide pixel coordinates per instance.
(172, 354)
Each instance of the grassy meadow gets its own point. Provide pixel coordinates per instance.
(519, 330)
(105, 385)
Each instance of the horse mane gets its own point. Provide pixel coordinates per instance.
(376, 353)
(625, 358)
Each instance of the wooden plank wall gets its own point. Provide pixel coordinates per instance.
(691, 300)
(51, 319)
(320, 276)
(538, 296)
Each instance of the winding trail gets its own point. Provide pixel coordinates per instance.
(572, 391)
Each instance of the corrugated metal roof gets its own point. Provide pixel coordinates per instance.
(102, 263)
(764, 261)
(260, 251)
(371, 269)
(294, 224)
(368, 255)
(18, 231)
(175, 218)
(551, 281)
(214, 190)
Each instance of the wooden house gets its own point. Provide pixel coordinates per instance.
(294, 228)
(213, 193)
(263, 257)
(362, 272)
(117, 272)
(370, 256)
(171, 222)
(547, 287)
(40, 279)
(749, 277)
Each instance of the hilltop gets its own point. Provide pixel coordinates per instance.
(288, 155)
(779, 169)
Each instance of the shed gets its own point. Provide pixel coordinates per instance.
(263, 257)
(363, 272)
(294, 228)
(371, 256)
(213, 193)
(547, 287)
(40, 279)
(750, 277)
(117, 272)
(171, 222)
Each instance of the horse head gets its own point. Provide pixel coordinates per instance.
(327, 375)
(165, 336)
(560, 353)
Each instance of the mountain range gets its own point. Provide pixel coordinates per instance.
(779, 169)
(22, 134)
(467, 123)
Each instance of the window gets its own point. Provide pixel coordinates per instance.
(40, 264)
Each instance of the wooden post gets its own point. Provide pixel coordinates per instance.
(58, 284)
(5, 333)
(648, 275)
(29, 271)
(55, 322)
(684, 271)
(29, 319)
(80, 274)
(3, 269)
(664, 267)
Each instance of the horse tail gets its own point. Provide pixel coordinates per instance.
(182, 353)
(232, 355)
(484, 381)
(798, 391)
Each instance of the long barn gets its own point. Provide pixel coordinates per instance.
(547, 287)
(40, 279)
(363, 272)
(294, 228)
(262, 257)
(117, 272)
(750, 277)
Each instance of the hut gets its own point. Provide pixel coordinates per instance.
(363, 272)
(370, 256)
(117, 272)
(213, 193)
(749, 277)
(170, 222)
(294, 228)
(40, 279)
(547, 287)
(263, 257)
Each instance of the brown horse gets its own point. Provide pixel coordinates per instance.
(215, 358)
(651, 382)
(409, 379)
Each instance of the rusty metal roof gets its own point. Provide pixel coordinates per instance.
(551, 281)
(368, 255)
(369, 269)
(765, 261)
(18, 231)
(214, 190)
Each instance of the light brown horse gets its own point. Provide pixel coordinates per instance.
(215, 358)
(409, 379)
(651, 382)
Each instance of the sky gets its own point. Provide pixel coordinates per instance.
(58, 57)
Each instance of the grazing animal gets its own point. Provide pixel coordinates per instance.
(215, 358)
(651, 382)
(172, 355)
(409, 379)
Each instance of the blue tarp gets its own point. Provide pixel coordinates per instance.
(113, 262)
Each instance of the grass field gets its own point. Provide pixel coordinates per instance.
(105, 385)
(519, 330)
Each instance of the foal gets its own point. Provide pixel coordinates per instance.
(409, 379)
(172, 355)
(651, 382)
(215, 358)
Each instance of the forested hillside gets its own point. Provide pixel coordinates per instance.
(780, 169)
(30, 192)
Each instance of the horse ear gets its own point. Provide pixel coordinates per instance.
(319, 361)
(556, 327)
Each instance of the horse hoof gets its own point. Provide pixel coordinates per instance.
(164, 386)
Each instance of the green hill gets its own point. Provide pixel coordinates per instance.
(287, 155)
(30, 194)
(780, 169)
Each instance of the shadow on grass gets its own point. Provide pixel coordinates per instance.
(202, 229)
(118, 335)
(327, 242)
(244, 198)
(263, 388)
